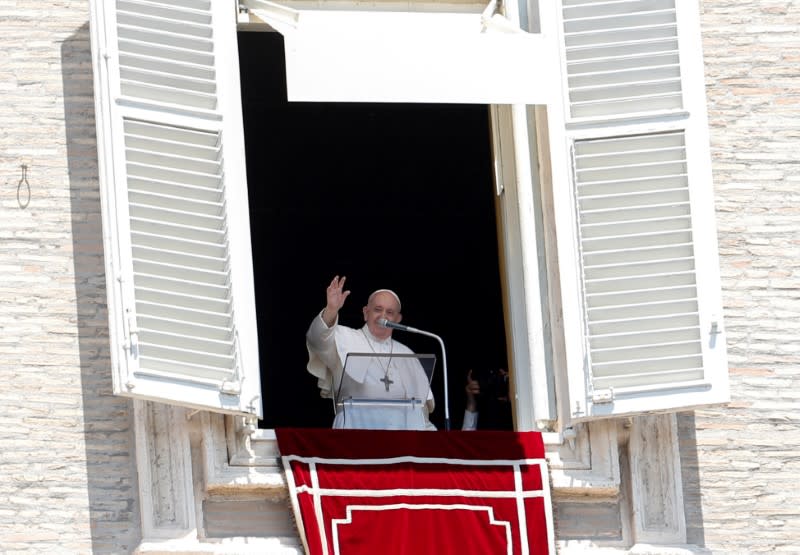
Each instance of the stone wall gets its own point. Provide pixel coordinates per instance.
(67, 476)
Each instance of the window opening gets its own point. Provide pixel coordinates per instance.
(391, 195)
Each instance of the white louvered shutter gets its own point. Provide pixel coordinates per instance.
(647, 334)
(175, 216)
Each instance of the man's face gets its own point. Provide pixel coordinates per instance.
(382, 305)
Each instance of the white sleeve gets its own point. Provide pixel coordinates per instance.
(470, 421)
(319, 336)
(322, 357)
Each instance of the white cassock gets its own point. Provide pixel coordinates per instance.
(328, 348)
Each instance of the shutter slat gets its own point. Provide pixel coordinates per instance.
(638, 282)
(168, 81)
(170, 368)
(160, 243)
(169, 269)
(654, 213)
(185, 300)
(632, 105)
(655, 324)
(189, 261)
(175, 175)
(217, 319)
(200, 289)
(619, 228)
(586, 20)
(619, 36)
(636, 354)
(636, 256)
(197, 5)
(174, 189)
(639, 92)
(158, 38)
(175, 203)
(177, 136)
(189, 329)
(194, 238)
(618, 77)
(630, 296)
(172, 161)
(145, 143)
(655, 365)
(595, 8)
(166, 53)
(168, 95)
(642, 383)
(643, 338)
(190, 342)
(638, 49)
(192, 12)
(617, 243)
(182, 216)
(151, 63)
(636, 269)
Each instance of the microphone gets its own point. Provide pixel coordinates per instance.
(384, 323)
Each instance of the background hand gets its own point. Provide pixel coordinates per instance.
(472, 389)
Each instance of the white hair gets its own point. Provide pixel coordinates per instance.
(392, 293)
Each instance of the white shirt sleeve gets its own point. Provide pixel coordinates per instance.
(320, 337)
(470, 421)
(323, 359)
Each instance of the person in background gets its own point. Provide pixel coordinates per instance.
(487, 401)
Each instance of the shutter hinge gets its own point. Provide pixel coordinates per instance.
(714, 331)
(570, 435)
(132, 341)
(603, 396)
(230, 388)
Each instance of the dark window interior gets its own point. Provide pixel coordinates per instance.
(390, 195)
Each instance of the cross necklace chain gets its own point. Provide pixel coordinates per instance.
(387, 381)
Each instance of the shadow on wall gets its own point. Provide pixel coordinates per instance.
(690, 474)
(107, 419)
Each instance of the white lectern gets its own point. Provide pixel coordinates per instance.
(382, 391)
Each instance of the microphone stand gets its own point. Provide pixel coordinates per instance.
(444, 363)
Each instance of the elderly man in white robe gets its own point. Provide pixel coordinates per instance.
(371, 379)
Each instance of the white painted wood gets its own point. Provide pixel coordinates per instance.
(407, 56)
(641, 300)
(171, 145)
(656, 486)
(555, 173)
(586, 464)
(534, 408)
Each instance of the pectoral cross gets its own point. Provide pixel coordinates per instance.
(387, 381)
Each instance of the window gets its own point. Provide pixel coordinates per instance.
(626, 136)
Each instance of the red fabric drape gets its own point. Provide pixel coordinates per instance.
(399, 492)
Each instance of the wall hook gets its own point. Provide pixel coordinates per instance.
(24, 180)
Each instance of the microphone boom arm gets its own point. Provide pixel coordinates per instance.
(387, 324)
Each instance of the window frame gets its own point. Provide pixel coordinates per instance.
(549, 374)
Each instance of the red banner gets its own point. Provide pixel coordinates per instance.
(399, 492)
